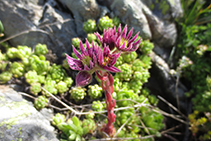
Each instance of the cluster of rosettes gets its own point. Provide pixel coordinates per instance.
(27, 60)
(21, 61)
(134, 69)
(41, 102)
(73, 128)
(95, 91)
(105, 22)
(77, 93)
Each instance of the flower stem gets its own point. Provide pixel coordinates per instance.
(107, 82)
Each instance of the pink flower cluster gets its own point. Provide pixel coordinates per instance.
(101, 60)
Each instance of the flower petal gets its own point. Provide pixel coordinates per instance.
(111, 69)
(124, 32)
(77, 53)
(83, 78)
(106, 51)
(119, 30)
(99, 37)
(88, 48)
(100, 56)
(134, 38)
(86, 68)
(74, 63)
(118, 42)
(83, 50)
(129, 34)
(113, 58)
(123, 46)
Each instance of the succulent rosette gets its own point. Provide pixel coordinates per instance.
(121, 41)
(92, 59)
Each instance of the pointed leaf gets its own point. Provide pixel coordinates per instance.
(76, 121)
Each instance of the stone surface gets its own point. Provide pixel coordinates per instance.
(131, 13)
(83, 10)
(19, 120)
(162, 82)
(35, 22)
(55, 22)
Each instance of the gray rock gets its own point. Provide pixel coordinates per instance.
(154, 19)
(19, 120)
(165, 84)
(29, 23)
(130, 13)
(83, 10)
(49, 22)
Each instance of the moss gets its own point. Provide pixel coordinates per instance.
(2, 99)
(152, 6)
(22, 110)
(164, 7)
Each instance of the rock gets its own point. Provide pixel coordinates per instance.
(29, 23)
(83, 10)
(19, 120)
(154, 19)
(131, 13)
(55, 22)
(162, 82)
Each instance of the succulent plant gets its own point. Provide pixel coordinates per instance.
(89, 126)
(40, 49)
(57, 72)
(31, 77)
(72, 129)
(75, 42)
(105, 22)
(126, 72)
(97, 106)
(5, 76)
(40, 102)
(89, 26)
(68, 81)
(129, 58)
(40, 66)
(116, 21)
(90, 115)
(23, 52)
(91, 37)
(35, 88)
(95, 91)
(58, 119)
(50, 86)
(77, 93)
(17, 69)
(62, 87)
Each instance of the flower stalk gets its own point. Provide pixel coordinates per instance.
(107, 82)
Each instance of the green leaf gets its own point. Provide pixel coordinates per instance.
(76, 121)
(73, 127)
(72, 136)
(78, 138)
(80, 130)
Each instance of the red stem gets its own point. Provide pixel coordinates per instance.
(107, 82)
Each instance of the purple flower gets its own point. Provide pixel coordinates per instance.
(90, 60)
(122, 42)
